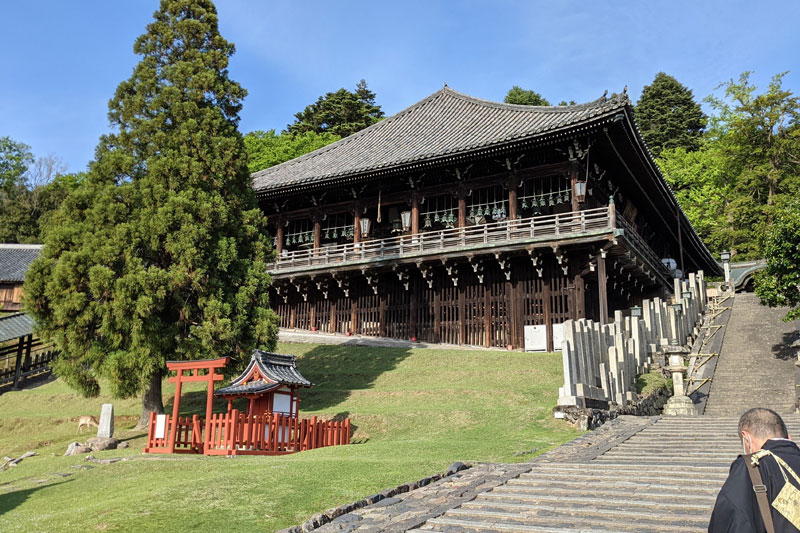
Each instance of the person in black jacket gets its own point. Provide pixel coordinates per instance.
(736, 509)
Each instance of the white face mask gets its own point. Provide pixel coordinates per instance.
(744, 447)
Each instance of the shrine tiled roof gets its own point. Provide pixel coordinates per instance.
(15, 260)
(445, 124)
(278, 369)
(15, 326)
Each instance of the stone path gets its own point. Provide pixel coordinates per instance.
(756, 364)
(664, 478)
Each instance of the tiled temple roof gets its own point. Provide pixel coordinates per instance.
(278, 369)
(15, 326)
(444, 124)
(15, 260)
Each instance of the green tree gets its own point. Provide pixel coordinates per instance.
(518, 95)
(668, 116)
(697, 178)
(161, 253)
(779, 283)
(340, 113)
(15, 158)
(267, 148)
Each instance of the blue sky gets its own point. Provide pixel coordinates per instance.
(61, 61)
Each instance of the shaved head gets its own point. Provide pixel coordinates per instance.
(763, 424)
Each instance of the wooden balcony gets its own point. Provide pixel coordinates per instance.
(574, 227)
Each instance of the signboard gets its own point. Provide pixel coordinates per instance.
(161, 426)
(536, 337)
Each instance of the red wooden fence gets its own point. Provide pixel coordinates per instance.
(236, 433)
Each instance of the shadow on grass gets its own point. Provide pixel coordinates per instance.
(12, 500)
(335, 371)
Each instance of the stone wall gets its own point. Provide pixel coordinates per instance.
(602, 361)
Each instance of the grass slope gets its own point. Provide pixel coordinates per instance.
(415, 412)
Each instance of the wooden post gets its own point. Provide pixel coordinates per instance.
(513, 183)
(176, 408)
(462, 206)
(357, 223)
(602, 292)
(573, 177)
(548, 313)
(462, 311)
(487, 313)
(511, 315)
(413, 297)
(317, 234)
(210, 400)
(279, 236)
(580, 297)
(612, 212)
(437, 315)
(353, 315)
(333, 317)
(414, 213)
(18, 365)
(382, 314)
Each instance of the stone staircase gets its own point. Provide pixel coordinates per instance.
(664, 478)
(756, 364)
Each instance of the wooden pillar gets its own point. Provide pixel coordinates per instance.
(612, 212)
(18, 364)
(602, 292)
(437, 315)
(462, 311)
(511, 316)
(415, 213)
(513, 183)
(312, 315)
(333, 317)
(317, 234)
(357, 223)
(209, 403)
(462, 206)
(580, 297)
(548, 312)
(382, 314)
(413, 287)
(353, 315)
(291, 316)
(279, 236)
(573, 177)
(487, 312)
(230, 404)
(176, 409)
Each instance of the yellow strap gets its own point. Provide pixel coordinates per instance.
(781, 463)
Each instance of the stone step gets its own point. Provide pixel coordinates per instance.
(540, 501)
(609, 468)
(460, 523)
(631, 492)
(601, 484)
(533, 513)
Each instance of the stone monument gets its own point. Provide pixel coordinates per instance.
(106, 427)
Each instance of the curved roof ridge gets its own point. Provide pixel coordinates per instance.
(536, 108)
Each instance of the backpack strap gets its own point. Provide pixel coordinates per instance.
(761, 492)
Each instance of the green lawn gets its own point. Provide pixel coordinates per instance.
(415, 412)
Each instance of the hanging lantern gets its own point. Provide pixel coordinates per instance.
(542, 201)
(580, 191)
(550, 201)
(524, 203)
(327, 234)
(494, 211)
(366, 225)
(427, 221)
(436, 217)
(335, 234)
(472, 212)
(405, 216)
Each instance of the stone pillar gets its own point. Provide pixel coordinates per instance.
(601, 288)
(106, 426)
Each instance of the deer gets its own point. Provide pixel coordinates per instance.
(87, 421)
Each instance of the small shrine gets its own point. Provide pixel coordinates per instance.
(270, 384)
(270, 425)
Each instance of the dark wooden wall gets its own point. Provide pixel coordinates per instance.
(488, 313)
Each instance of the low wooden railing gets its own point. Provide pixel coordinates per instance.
(236, 433)
(507, 231)
(18, 364)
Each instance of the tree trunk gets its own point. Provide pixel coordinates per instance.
(151, 400)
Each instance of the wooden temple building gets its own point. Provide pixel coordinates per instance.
(460, 220)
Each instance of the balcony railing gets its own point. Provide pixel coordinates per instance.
(507, 231)
(561, 226)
